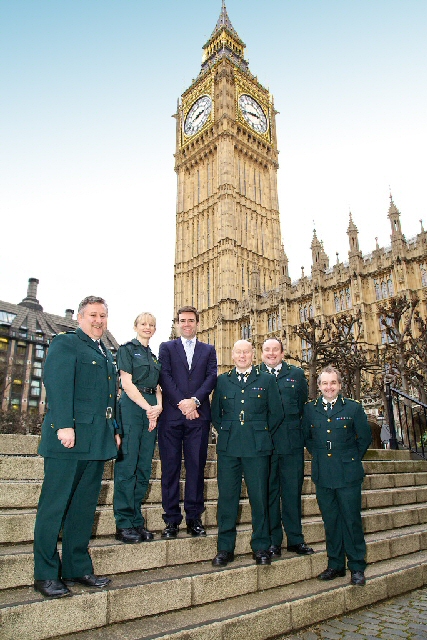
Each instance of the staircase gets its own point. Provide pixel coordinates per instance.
(168, 588)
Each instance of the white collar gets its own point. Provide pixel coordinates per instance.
(276, 368)
(184, 340)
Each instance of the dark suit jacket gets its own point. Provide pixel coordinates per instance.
(179, 382)
(80, 384)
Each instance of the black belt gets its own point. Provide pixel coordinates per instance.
(335, 445)
(149, 390)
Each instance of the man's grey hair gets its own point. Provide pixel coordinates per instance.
(91, 300)
(330, 369)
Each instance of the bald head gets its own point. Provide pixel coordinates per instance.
(242, 355)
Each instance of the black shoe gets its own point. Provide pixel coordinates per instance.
(222, 558)
(90, 580)
(196, 528)
(146, 536)
(331, 574)
(262, 557)
(52, 588)
(171, 530)
(301, 549)
(275, 551)
(358, 578)
(128, 536)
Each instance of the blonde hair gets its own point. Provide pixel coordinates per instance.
(143, 316)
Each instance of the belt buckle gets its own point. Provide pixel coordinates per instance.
(328, 445)
(109, 413)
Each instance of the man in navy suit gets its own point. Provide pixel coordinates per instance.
(188, 376)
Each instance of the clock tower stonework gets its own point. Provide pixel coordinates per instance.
(228, 237)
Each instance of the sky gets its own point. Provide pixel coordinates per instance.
(87, 91)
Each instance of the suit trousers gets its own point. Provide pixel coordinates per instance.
(341, 513)
(255, 472)
(285, 486)
(132, 472)
(191, 438)
(68, 501)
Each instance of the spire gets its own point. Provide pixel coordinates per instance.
(224, 22)
(224, 43)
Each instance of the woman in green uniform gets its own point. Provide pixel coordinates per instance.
(140, 407)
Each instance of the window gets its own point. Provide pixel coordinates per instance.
(37, 369)
(35, 388)
(423, 270)
(342, 299)
(306, 312)
(384, 288)
(306, 350)
(6, 317)
(4, 344)
(385, 337)
(39, 352)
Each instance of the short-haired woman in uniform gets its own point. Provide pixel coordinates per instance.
(140, 407)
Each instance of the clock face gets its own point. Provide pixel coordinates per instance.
(198, 115)
(253, 113)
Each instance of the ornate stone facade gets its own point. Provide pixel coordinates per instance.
(229, 260)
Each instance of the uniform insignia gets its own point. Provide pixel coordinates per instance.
(257, 388)
(137, 354)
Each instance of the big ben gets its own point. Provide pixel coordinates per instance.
(228, 237)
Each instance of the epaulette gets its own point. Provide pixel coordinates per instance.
(63, 333)
(351, 400)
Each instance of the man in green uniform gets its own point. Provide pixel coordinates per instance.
(246, 410)
(287, 461)
(78, 435)
(337, 434)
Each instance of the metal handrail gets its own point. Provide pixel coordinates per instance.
(410, 414)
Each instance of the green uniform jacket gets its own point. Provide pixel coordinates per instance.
(337, 441)
(132, 357)
(246, 414)
(80, 384)
(293, 390)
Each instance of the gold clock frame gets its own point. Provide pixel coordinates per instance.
(206, 88)
(243, 88)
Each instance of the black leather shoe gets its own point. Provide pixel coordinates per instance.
(52, 588)
(331, 574)
(146, 536)
(90, 580)
(301, 549)
(222, 558)
(171, 530)
(262, 557)
(128, 536)
(275, 551)
(196, 528)
(358, 578)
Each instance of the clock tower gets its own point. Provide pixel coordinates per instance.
(228, 238)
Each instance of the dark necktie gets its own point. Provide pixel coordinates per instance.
(273, 371)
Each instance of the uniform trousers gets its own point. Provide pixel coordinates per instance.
(132, 471)
(68, 501)
(341, 514)
(285, 486)
(255, 472)
(191, 438)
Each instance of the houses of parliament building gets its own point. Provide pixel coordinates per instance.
(229, 261)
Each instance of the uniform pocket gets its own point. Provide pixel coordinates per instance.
(263, 441)
(223, 436)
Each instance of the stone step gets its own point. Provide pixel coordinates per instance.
(16, 562)
(24, 494)
(16, 525)
(31, 468)
(256, 602)
(14, 444)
